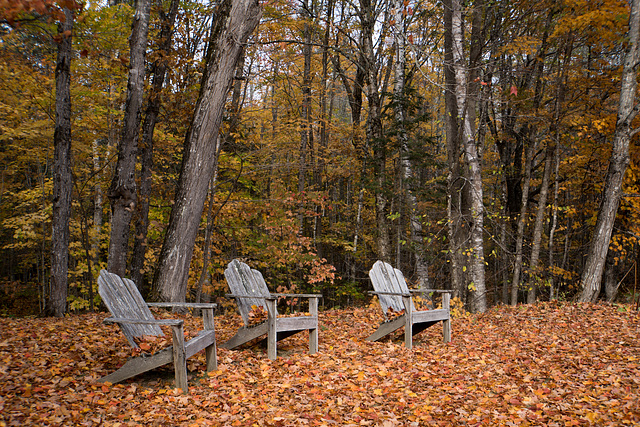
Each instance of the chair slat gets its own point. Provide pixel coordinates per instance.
(244, 281)
(385, 278)
(122, 298)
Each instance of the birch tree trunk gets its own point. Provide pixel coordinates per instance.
(592, 275)
(62, 179)
(122, 191)
(159, 70)
(235, 21)
(471, 203)
(415, 225)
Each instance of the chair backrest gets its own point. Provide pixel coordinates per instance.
(385, 278)
(123, 299)
(245, 281)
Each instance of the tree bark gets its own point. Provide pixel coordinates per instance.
(537, 229)
(326, 109)
(122, 192)
(408, 175)
(97, 204)
(454, 181)
(306, 130)
(159, 70)
(62, 179)
(592, 275)
(611, 283)
(235, 21)
(554, 221)
(374, 131)
(465, 176)
(522, 220)
(228, 139)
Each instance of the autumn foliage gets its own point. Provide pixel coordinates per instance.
(548, 364)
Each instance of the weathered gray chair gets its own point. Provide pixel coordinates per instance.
(249, 289)
(132, 314)
(392, 291)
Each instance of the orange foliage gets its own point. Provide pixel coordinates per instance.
(546, 364)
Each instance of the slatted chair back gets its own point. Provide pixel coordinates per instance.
(246, 282)
(123, 299)
(385, 278)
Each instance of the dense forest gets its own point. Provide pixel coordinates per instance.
(481, 146)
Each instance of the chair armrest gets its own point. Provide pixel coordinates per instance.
(182, 305)
(400, 294)
(273, 296)
(297, 295)
(168, 322)
(244, 296)
(437, 291)
(207, 310)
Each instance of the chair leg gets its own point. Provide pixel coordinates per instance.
(211, 351)
(408, 325)
(313, 333)
(313, 341)
(179, 357)
(446, 325)
(446, 330)
(272, 335)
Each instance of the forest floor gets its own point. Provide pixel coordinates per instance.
(552, 364)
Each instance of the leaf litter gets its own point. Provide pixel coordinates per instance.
(552, 364)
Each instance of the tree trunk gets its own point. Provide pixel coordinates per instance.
(159, 70)
(454, 181)
(415, 225)
(537, 229)
(234, 23)
(471, 205)
(522, 220)
(227, 140)
(62, 179)
(555, 131)
(611, 283)
(324, 119)
(374, 132)
(354, 95)
(206, 247)
(97, 205)
(306, 131)
(122, 191)
(554, 221)
(592, 275)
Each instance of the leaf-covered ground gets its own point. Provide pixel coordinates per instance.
(548, 364)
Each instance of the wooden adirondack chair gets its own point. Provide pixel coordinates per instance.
(392, 291)
(132, 314)
(249, 289)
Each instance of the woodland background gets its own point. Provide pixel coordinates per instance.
(333, 150)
